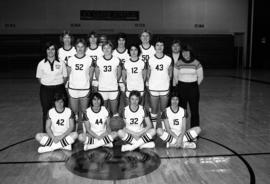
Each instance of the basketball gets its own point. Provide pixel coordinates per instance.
(116, 123)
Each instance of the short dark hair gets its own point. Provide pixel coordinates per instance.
(187, 47)
(80, 40)
(121, 35)
(176, 42)
(137, 47)
(64, 34)
(173, 94)
(59, 96)
(159, 40)
(96, 95)
(135, 93)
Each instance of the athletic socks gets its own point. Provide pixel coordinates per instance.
(49, 145)
(144, 139)
(95, 143)
(168, 138)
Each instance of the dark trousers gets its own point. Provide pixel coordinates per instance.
(189, 94)
(47, 99)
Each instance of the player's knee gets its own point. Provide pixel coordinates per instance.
(159, 131)
(38, 137)
(197, 130)
(81, 137)
(74, 135)
(152, 131)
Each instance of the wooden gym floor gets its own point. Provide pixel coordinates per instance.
(234, 147)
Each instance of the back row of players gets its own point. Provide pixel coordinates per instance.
(100, 68)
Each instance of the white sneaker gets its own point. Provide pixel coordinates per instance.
(110, 145)
(126, 147)
(68, 147)
(150, 144)
(44, 149)
(189, 145)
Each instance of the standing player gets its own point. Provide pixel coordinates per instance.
(175, 133)
(108, 73)
(51, 74)
(188, 75)
(80, 71)
(97, 125)
(134, 71)
(94, 51)
(122, 54)
(59, 126)
(67, 50)
(134, 132)
(148, 51)
(159, 74)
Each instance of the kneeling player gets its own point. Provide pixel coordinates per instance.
(134, 132)
(59, 126)
(97, 119)
(175, 123)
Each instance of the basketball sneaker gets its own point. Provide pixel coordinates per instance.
(44, 149)
(189, 145)
(150, 144)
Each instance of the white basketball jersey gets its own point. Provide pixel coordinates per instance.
(134, 71)
(134, 119)
(94, 53)
(79, 76)
(159, 77)
(108, 74)
(97, 119)
(60, 120)
(175, 119)
(64, 55)
(147, 53)
(122, 56)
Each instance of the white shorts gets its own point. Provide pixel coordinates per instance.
(122, 86)
(109, 95)
(78, 93)
(159, 93)
(128, 93)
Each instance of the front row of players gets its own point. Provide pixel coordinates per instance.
(137, 131)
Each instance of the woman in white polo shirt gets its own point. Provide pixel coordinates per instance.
(51, 74)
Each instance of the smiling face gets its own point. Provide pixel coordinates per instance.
(107, 49)
(51, 52)
(96, 102)
(59, 104)
(121, 42)
(67, 39)
(133, 52)
(80, 48)
(92, 39)
(186, 55)
(145, 37)
(176, 48)
(159, 47)
(134, 100)
(174, 101)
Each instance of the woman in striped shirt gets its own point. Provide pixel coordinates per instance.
(188, 75)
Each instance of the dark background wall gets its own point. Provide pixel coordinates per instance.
(212, 27)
